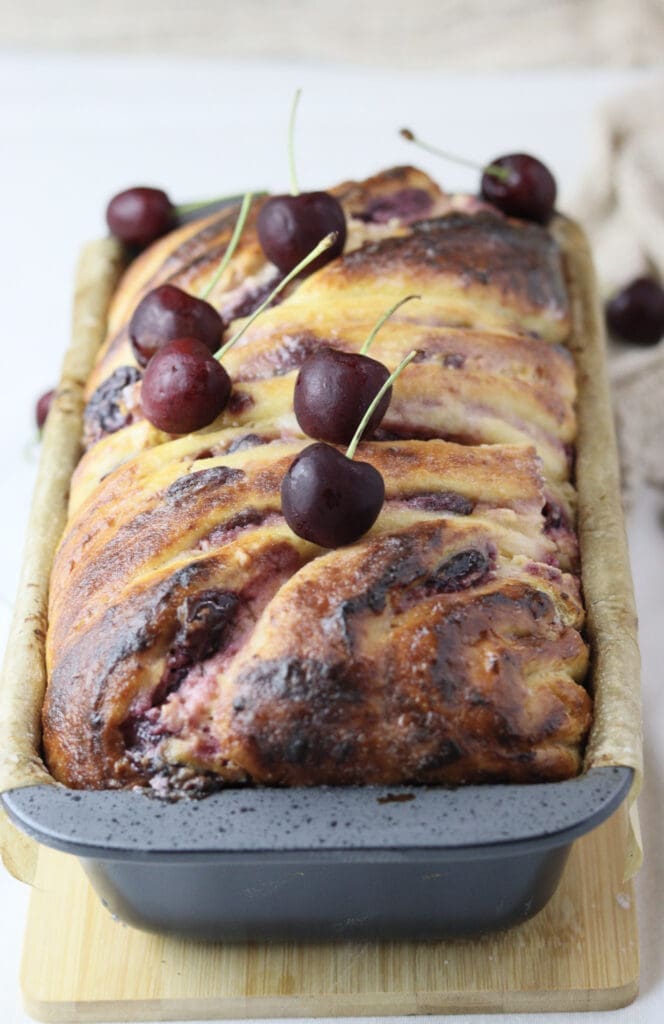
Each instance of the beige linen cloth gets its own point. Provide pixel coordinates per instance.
(461, 35)
(621, 205)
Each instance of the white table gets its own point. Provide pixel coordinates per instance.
(76, 130)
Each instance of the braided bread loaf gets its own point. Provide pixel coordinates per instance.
(195, 641)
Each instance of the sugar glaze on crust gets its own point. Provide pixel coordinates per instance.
(194, 641)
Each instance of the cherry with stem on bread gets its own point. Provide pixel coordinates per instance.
(168, 312)
(327, 497)
(184, 386)
(140, 215)
(636, 312)
(518, 184)
(290, 225)
(334, 389)
(324, 245)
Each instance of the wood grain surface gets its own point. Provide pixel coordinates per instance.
(579, 953)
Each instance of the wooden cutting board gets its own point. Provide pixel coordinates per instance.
(579, 953)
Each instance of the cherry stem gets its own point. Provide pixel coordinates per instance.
(200, 204)
(352, 447)
(381, 320)
(294, 187)
(498, 172)
(232, 245)
(322, 246)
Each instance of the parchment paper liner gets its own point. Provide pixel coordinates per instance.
(611, 626)
(24, 676)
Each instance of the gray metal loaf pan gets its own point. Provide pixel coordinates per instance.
(375, 862)
(350, 863)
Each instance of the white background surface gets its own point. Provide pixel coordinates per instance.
(75, 130)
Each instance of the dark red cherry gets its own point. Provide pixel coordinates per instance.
(528, 191)
(167, 313)
(140, 215)
(333, 391)
(184, 387)
(636, 313)
(290, 226)
(42, 408)
(330, 499)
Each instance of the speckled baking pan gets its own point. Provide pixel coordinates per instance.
(319, 863)
(346, 862)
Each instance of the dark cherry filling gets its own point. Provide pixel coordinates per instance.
(239, 402)
(454, 360)
(463, 570)
(395, 579)
(442, 501)
(282, 358)
(408, 204)
(236, 524)
(538, 604)
(248, 441)
(407, 433)
(416, 432)
(192, 483)
(203, 623)
(554, 517)
(246, 303)
(141, 732)
(240, 444)
(106, 411)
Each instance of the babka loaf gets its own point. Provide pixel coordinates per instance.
(195, 641)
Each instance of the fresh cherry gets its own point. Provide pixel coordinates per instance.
(184, 387)
(518, 184)
(326, 497)
(289, 226)
(167, 313)
(42, 408)
(636, 313)
(528, 190)
(140, 215)
(329, 499)
(334, 389)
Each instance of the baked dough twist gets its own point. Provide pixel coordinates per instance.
(195, 641)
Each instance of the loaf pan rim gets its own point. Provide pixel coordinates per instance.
(60, 818)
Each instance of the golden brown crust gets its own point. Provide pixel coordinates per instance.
(461, 687)
(161, 532)
(189, 256)
(489, 381)
(182, 605)
(476, 270)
